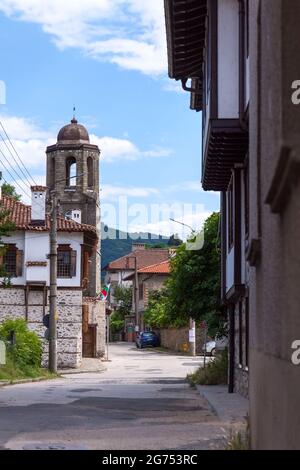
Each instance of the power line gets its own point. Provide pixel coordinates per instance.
(20, 178)
(12, 145)
(12, 177)
(21, 170)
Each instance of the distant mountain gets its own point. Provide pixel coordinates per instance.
(119, 243)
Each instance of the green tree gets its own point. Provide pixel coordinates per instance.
(155, 314)
(6, 226)
(194, 285)
(9, 190)
(193, 288)
(123, 297)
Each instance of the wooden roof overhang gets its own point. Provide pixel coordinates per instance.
(186, 25)
(227, 145)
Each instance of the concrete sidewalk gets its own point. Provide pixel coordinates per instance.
(88, 365)
(231, 408)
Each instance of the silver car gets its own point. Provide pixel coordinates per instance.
(219, 344)
(210, 348)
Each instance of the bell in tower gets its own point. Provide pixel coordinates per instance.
(73, 172)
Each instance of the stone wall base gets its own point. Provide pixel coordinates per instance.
(177, 339)
(69, 324)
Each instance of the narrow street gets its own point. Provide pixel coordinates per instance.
(140, 402)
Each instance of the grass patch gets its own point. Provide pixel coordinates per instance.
(239, 441)
(215, 373)
(11, 372)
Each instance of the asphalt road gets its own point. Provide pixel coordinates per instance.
(140, 402)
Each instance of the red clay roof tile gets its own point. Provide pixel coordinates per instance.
(20, 215)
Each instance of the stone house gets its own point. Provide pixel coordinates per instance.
(219, 70)
(119, 271)
(241, 58)
(149, 278)
(73, 172)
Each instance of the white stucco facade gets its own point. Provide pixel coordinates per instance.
(36, 246)
(228, 59)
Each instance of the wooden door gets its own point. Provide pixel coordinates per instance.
(89, 341)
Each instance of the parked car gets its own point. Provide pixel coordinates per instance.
(219, 344)
(147, 338)
(210, 348)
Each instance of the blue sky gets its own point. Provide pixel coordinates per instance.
(109, 59)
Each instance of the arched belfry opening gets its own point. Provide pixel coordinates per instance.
(71, 172)
(90, 171)
(52, 173)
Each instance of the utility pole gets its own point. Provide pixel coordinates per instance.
(192, 337)
(136, 284)
(136, 291)
(53, 285)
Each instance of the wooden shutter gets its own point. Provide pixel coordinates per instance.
(73, 262)
(19, 263)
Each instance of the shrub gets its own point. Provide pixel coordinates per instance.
(27, 348)
(215, 373)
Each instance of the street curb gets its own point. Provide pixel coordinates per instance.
(76, 371)
(169, 352)
(25, 381)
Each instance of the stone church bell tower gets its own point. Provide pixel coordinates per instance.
(73, 171)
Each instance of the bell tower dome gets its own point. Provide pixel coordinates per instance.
(73, 172)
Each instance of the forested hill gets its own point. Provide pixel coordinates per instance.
(113, 247)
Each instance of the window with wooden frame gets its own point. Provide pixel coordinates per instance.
(12, 261)
(230, 204)
(66, 262)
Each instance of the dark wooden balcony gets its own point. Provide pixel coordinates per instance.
(226, 145)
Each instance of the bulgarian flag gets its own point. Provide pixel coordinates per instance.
(104, 293)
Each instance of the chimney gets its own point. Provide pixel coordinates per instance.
(138, 246)
(76, 216)
(38, 205)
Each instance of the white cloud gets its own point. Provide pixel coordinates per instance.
(129, 33)
(113, 193)
(195, 218)
(113, 149)
(193, 186)
(30, 141)
(174, 86)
